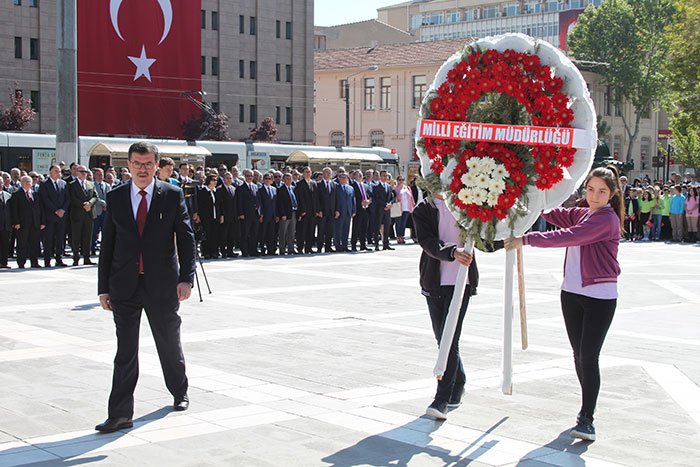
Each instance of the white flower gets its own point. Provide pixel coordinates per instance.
(473, 163)
(492, 198)
(479, 196)
(488, 164)
(468, 180)
(483, 180)
(500, 172)
(466, 196)
(497, 186)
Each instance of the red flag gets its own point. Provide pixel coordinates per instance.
(135, 58)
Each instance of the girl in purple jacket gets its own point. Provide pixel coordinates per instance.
(589, 291)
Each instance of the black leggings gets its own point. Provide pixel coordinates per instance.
(587, 322)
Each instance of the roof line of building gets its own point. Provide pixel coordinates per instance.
(367, 21)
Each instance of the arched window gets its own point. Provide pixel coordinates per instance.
(376, 138)
(337, 138)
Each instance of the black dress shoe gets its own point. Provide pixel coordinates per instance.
(388, 248)
(87, 262)
(60, 264)
(20, 266)
(36, 265)
(114, 424)
(376, 248)
(76, 262)
(364, 248)
(353, 249)
(232, 255)
(181, 403)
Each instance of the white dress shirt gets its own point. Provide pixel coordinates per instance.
(136, 197)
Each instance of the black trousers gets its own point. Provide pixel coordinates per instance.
(359, 228)
(210, 240)
(165, 327)
(81, 237)
(28, 244)
(249, 235)
(266, 236)
(305, 233)
(453, 379)
(587, 322)
(325, 232)
(4, 246)
(227, 237)
(55, 239)
(382, 218)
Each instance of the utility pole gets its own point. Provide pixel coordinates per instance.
(67, 82)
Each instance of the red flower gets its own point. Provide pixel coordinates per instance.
(556, 175)
(435, 105)
(437, 166)
(499, 212)
(531, 63)
(461, 68)
(553, 84)
(543, 73)
(490, 57)
(474, 59)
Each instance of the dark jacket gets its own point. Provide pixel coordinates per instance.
(167, 226)
(5, 212)
(227, 197)
(53, 200)
(382, 196)
(24, 213)
(267, 205)
(327, 199)
(284, 202)
(307, 197)
(78, 196)
(425, 221)
(206, 206)
(358, 195)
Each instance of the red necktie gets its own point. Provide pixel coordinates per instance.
(141, 214)
(29, 197)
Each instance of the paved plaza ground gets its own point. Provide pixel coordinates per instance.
(327, 360)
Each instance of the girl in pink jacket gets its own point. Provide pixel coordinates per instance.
(589, 291)
(691, 213)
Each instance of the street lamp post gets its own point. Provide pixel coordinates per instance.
(347, 101)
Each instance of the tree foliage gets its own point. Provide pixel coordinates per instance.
(193, 127)
(629, 37)
(18, 114)
(683, 67)
(265, 132)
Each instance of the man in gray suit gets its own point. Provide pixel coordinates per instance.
(100, 209)
(83, 198)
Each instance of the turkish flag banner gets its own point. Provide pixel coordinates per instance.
(135, 59)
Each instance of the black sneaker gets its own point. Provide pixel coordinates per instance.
(584, 430)
(437, 409)
(456, 398)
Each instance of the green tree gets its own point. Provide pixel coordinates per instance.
(683, 67)
(628, 38)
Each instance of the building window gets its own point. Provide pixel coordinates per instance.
(288, 115)
(204, 19)
(214, 21)
(553, 5)
(278, 114)
(18, 2)
(512, 9)
(18, 47)
(215, 66)
(617, 146)
(241, 113)
(278, 29)
(416, 21)
(575, 4)
(376, 138)
(241, 24)
(369, 93)
(253, 70)
(35, 101)
(420, 86)
(252, 25)
(34, 3)
(644, 146)
(278, 72)
(606, 101)
(204, 65)
(385, 94)
(288, 73)
(452, 16)
(434, 18)
(253, 114)
(343, 88)
(288, 30)
(532, 7)
(241, 68)
(337, 138)
(490, 11)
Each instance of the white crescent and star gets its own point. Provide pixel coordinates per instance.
(142, 63)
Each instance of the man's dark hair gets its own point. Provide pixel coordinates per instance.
(166, 161)
(143, 147)
(383, 172)
(72, 164)
(52, 166)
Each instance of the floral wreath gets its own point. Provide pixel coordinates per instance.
(489, 181)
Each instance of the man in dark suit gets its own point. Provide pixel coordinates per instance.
(5, 227)
(100, 211)
(28, 222)
(363, 200)
(327, 199)
(287, 208)
(307, 197)
(382, 197)
(227, 218)
(82, 199)
(372, 211)
(345, 210)
(147, 232)
(209, 210)
(248, 214)
(55, 200)
(267, 209)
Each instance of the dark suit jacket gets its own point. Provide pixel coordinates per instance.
(358, 195)
(247, 201)
(206, 206)
(5, 211)
(267, 205)
(284, 202)
(327, 200)
(382, 196)
(227, 195)
(345, 201)
(307, 197)
(167, 223)
(53, 200)
(78, 197)
(24, 213)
